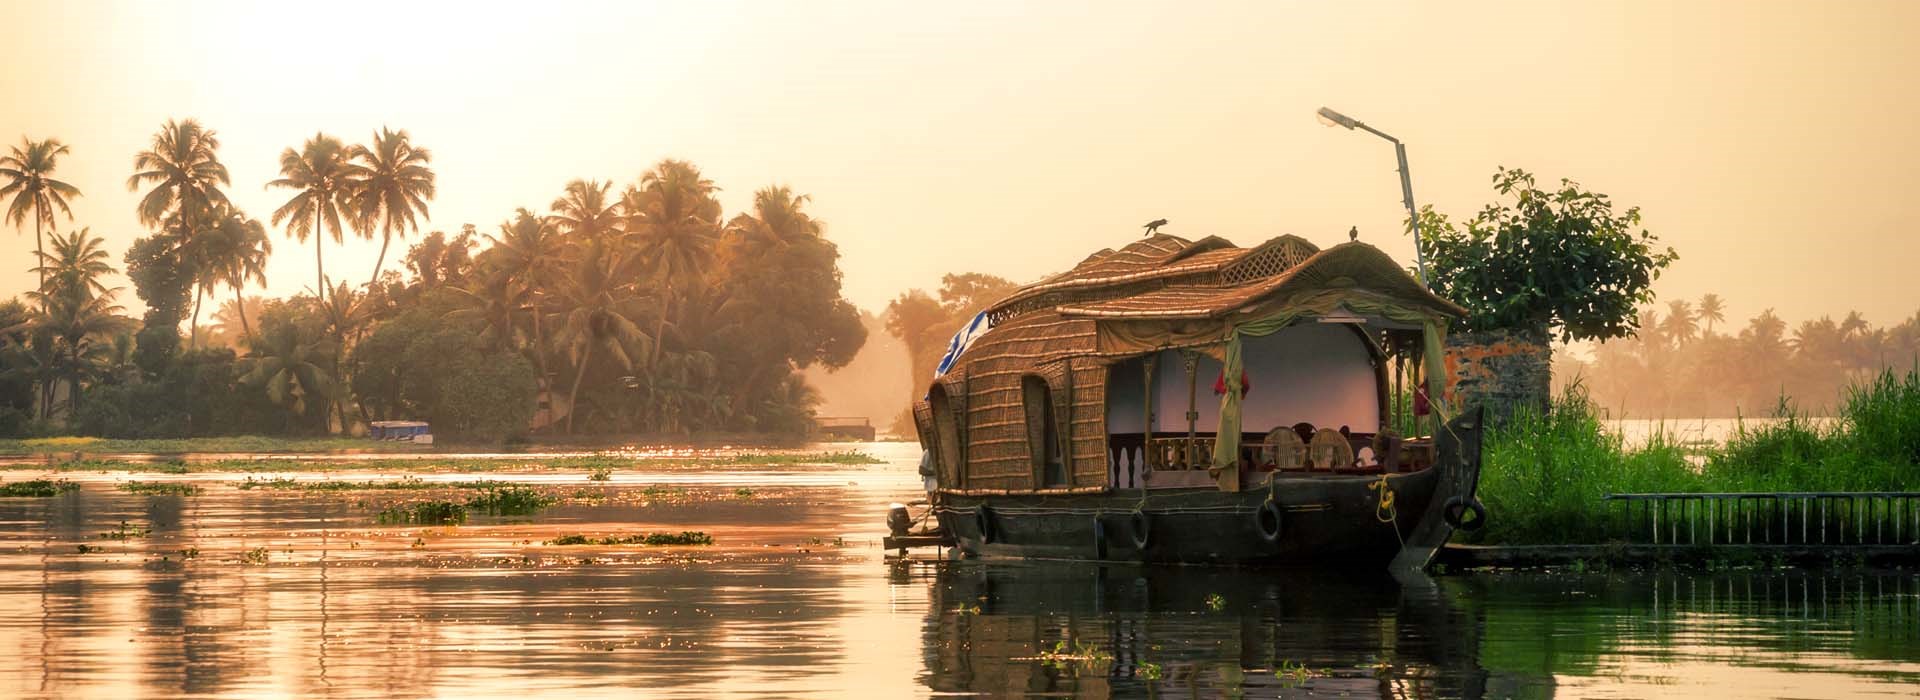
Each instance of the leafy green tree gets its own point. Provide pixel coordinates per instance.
(781, 302)
(1559, 262)
(28, 171)
(319, 175)
(391, 185)
(164, 279)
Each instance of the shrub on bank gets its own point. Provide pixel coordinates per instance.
(1544, 477)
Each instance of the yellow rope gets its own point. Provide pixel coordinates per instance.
(1383, 509)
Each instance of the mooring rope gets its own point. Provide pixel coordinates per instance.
(1384, 509)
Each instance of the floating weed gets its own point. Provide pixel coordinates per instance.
(1216, 602)
(255, 557)
(190, 553)
(88, 549)
(160, 488)
(511, 500)
(126, 532)
(1292, 674)
(1150, 670)
(652, 538)
(1078, 653)
(425, 513)
(743, 493)
(601, 474)
(37, 488)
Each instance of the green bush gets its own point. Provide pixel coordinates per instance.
(1544, 478)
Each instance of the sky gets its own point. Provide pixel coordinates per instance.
(1770, 143)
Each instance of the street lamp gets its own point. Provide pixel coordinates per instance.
(1332, 118)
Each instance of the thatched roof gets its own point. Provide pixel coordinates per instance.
(1168, 277)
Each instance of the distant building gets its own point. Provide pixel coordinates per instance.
(844, 428)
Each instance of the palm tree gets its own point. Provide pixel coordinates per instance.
(291, 368)
(185, 172)
(28, 169)
(81, 329)
(391, 185)
(76, 313)
(233, 252)
(1712, 310)
(675, 223)
(585, 214)
(75, 267)
(1681, 326)
(528, 253)
(319, 172)
(596, 315)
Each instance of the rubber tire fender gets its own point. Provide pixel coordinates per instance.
(1455, 511)
(1140, 530)
(983, 521)
(1267, 522)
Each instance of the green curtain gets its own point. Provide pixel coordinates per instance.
(1226, 440)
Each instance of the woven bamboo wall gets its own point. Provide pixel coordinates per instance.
(999, 451)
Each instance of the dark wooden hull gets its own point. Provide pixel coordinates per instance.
(1334, 520)
(1325, 520)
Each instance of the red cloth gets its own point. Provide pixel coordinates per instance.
(1420, 406)
(1220, 384)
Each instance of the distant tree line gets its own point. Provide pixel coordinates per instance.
(926, 322)
(639, 309)
(1687, 361)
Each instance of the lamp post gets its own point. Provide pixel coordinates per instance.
(1332, 118)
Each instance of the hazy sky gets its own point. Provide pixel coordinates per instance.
(1772, 144)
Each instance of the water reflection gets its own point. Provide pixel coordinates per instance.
(346, 607)
(1128, 631)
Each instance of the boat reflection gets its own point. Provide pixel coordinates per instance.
(1084, 630)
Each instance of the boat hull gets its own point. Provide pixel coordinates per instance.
(1331, 520)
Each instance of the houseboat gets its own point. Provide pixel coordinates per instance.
(1199, 402)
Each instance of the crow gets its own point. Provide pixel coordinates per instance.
(1153, 226)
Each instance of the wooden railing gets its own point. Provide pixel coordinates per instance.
(1179, 453)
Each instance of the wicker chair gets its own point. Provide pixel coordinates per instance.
(1284, 449)
(1330, 450)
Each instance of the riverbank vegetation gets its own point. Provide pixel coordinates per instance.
(617, 310)
(1545, 477)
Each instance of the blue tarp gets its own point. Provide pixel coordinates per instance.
(961, 341)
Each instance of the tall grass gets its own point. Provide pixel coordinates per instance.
(1544, 477)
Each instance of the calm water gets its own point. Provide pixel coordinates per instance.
(796, 600)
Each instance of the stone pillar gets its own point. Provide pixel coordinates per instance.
(1502, 370)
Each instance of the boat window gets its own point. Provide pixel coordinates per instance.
(1043, 433)
(946, 437)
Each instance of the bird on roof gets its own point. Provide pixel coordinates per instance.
(1353, 234)
(1153, 226)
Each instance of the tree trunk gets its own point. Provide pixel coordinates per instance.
(573, 397)
(193, 341)
(386, 237)
(319, 267)
(546, 377)
(240, 306)
(39, 253)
